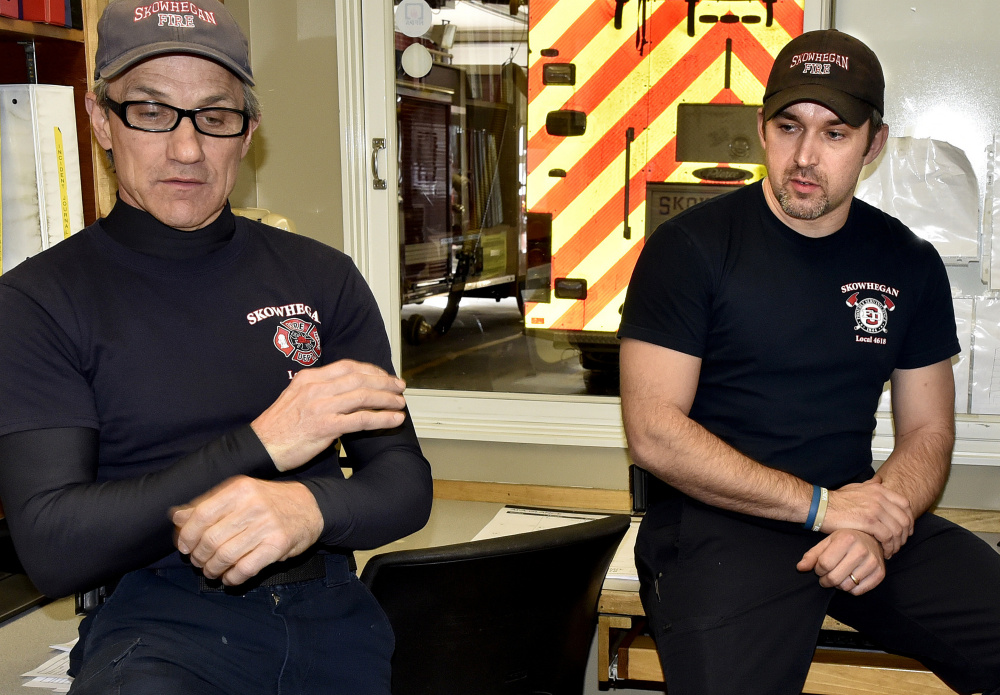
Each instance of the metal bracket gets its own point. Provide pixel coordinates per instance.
(378, 183)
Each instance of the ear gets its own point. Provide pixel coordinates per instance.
(248, 136)
(760, 126)
(878, 142)
(99, 121)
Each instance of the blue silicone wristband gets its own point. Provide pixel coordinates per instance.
(813, 508)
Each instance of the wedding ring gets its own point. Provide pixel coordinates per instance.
(854, 579)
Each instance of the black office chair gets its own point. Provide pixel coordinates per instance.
(17, 593)
(506, 616)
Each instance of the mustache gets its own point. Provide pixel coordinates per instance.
(805, 173)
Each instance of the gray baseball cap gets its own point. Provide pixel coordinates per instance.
(130, 31)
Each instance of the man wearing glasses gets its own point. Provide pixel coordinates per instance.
(172, 393)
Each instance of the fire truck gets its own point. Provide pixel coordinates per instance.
(637, 110)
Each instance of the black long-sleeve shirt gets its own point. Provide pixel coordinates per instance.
(133, 358)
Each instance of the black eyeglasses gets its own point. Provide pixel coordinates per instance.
(154, 117)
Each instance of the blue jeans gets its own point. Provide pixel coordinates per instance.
(159, 633)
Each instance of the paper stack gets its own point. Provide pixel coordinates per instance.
(622, 574)
(52, 674)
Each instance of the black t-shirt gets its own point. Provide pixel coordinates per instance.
(168, 344)
(797, 335)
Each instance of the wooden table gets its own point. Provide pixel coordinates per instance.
(626, 653)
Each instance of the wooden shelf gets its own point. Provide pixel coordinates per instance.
(18, 28)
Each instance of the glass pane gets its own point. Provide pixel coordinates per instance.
(463, 224)
(540, 141)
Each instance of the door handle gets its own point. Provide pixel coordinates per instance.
(629, 138)
(378, 183)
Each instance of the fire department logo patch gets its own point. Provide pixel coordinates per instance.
(299, 341)
(870, 315)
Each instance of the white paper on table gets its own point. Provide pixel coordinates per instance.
(622, 573)
(511, 520)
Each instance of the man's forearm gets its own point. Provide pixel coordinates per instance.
(685, 455)
(73, 533)
(918, 466)
(697, 463)
(923, 412)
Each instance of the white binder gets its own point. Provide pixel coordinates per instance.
(40, 190)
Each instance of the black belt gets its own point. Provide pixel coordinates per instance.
(287, 572)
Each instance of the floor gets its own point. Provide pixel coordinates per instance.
(486, 349)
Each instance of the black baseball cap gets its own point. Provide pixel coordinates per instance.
(831, 68)
(130, 31)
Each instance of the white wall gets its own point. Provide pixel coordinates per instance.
(294, 165)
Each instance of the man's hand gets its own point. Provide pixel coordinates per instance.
(243, 525)
(321, 404)
(848, 560)
(874, 509)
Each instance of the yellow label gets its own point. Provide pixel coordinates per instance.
(63, 195)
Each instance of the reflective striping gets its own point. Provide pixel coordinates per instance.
(676, 81)
(595, 215)
(605, 285)
(614, 51)
(584, 31)
(756, 56)
(545, 315)
(664, 53)
(618, 89)
(604, 187)
(606, 222)
(609, 42)
(597, 262)
(790, 16)
(554, 24)
(571, 319)
(603, 290)
(603, 142)
(539, 8)
(608, 319)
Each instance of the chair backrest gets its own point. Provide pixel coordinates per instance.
(504, 616)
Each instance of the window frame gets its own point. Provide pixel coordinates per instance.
(366, 82)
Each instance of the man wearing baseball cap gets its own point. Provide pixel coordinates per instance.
(174, 392)
(759, 330)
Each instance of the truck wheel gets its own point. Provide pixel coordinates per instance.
(416, 330)
(599, 360)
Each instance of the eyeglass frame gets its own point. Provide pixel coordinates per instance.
(120, 107)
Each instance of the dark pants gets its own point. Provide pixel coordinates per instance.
(159, 633)
(730, 613)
